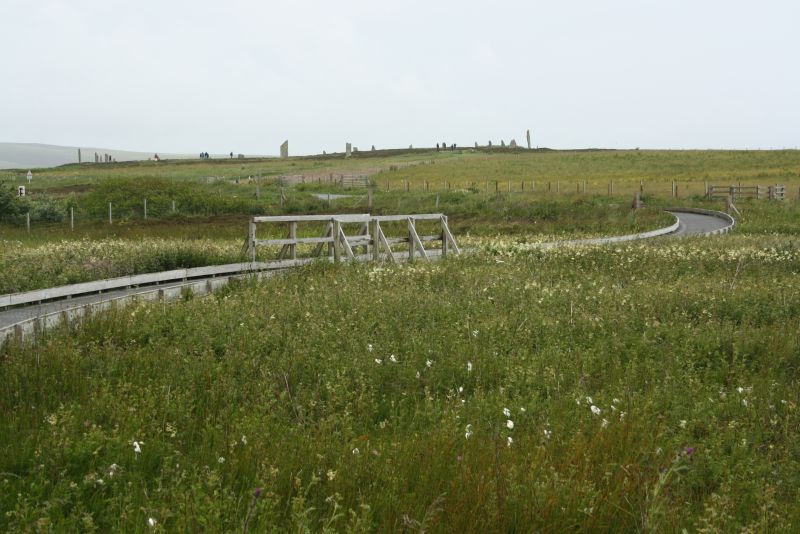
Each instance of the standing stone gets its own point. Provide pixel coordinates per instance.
(490, 144)
(348, 150)
(476, 144)
(285, 149)
(502, 143)
(513, 144)
(96, 158)
(79, 155)
(411, 147)
(528, 135)
(373, 148)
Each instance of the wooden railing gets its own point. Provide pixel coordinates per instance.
(735, 192)
(368, 232)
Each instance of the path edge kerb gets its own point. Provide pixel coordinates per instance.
(713, 213)
(620, 238)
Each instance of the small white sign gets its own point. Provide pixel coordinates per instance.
(30, 176)
(21, 191)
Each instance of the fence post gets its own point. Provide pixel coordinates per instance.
(444, 235)
(584, 186)
(110, 219)
(437, 200)
(369, 199)
(253, 240)
(145, 209)
(509, 186)
(375, 241)
(337, 246)
(293, 235)
(72, 217)
(411, 244)
(173, 206)
(28, 221)
(558, 186)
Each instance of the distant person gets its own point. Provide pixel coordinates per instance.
(206, 155)
(231, 155)
(437, 147)
(155, 157)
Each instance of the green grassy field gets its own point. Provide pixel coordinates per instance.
(640, 387)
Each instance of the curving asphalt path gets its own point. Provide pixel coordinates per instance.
(697, 224)
(689, 224)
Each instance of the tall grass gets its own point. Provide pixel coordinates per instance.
(643, 387)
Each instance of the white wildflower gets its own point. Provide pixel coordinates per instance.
(595, 409)
(369, 347)
(547, 434)
(589, 400)
(378, 361)
(356, 451)
(428, 363)
(682, 423)
(506, 412)
(509, 441)
(510, 424)
(468, 432)
(474, 333)
(604, 423)
(137, 448)
(244, 439)
(221, 460)
(393, 358)
(469, 367)
(151, 522)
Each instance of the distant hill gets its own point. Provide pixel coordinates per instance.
(35, 155)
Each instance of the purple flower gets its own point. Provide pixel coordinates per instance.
(257, 493)
(688, 451)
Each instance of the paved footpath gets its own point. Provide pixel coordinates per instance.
(697, 224)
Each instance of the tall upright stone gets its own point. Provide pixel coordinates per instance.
(490, 144)
(285, 149)
(96, 158)
(502, 143)
(476, 144)
(348, 150)
(513, 143)
(528, 135)
(79, 156)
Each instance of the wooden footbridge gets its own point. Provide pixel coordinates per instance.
(342, 236)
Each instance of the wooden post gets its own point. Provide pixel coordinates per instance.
(558, 186)
(72, 218)
(444, 235)
(293, 235)
(641, 186)
(674, 193)
(253, 240)
(549, 187)
(577, 187)
(110, 220)
(28, 221)
(509, 186)
(145, 209)
(411, 244)
(387, 184)
(584, 186)
(705, 187)
(437, 200)
(637, 200)
(337, 245)
(376, 228)
(173, 206)
(369, 199)
(496, 186)
(522, 186)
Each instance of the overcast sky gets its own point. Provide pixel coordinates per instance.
(186, 76)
